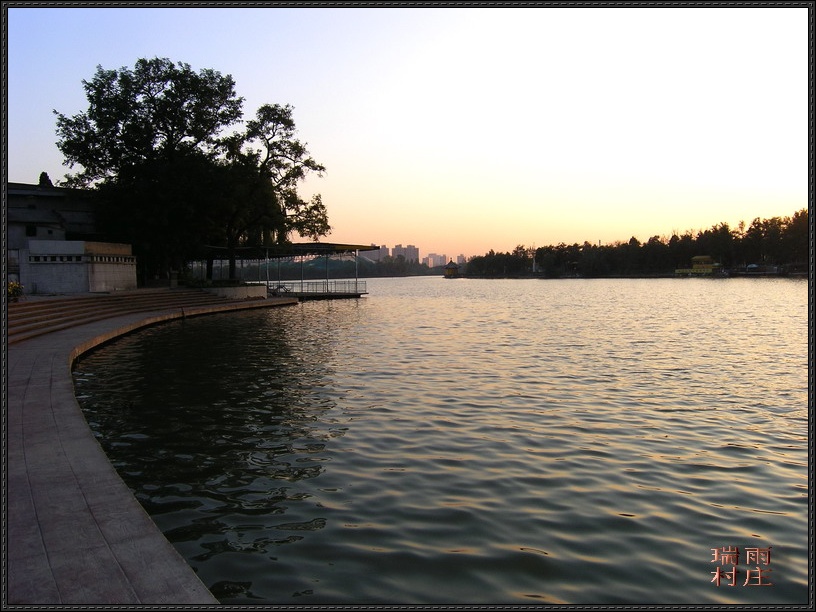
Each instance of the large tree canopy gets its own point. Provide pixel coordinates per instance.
(176, 169)
(150, 113)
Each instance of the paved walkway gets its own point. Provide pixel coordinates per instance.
(73, 532)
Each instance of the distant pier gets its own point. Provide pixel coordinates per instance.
(302, 289)
(317, 290)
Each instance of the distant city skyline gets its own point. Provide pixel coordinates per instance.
(473, 129)
(414, 253)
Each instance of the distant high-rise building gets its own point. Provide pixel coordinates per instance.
(378, 254)
(433, 260)
(410, 252)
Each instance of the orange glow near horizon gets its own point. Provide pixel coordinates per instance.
(461, 130)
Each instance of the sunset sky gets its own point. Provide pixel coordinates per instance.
(461, 130)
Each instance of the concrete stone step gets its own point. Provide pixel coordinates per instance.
(33, 318)
(102, 306)
(74, 306)
(33, 304)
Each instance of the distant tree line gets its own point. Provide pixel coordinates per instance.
(779, 241)
(397, 266)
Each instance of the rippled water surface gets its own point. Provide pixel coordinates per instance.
(475, 442)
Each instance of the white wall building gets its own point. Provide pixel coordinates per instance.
(76, 266)
(52, 245)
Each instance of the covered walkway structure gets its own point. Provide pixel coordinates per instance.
(325, 288)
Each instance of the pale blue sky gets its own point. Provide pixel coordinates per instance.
(461, 130)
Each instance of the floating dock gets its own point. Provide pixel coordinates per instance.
(317, 290)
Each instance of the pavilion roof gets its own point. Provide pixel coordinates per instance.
(296, 249)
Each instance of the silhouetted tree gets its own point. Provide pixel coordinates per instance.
(763, 240)
(682, 249)
(154, 143)
(262, 169)
(796, 237)
(655, 257)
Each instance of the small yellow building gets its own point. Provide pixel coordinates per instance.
(701, 265)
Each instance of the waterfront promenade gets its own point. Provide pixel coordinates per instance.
(73, 532)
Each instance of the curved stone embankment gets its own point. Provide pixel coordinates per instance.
(75, 534)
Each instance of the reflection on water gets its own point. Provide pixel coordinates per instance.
(474, 442)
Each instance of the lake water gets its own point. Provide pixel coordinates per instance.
(524, 442)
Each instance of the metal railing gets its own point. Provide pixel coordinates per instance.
(326, 287)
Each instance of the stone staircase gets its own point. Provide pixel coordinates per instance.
(35, 315)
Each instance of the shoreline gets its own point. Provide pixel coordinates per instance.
(75, 532)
